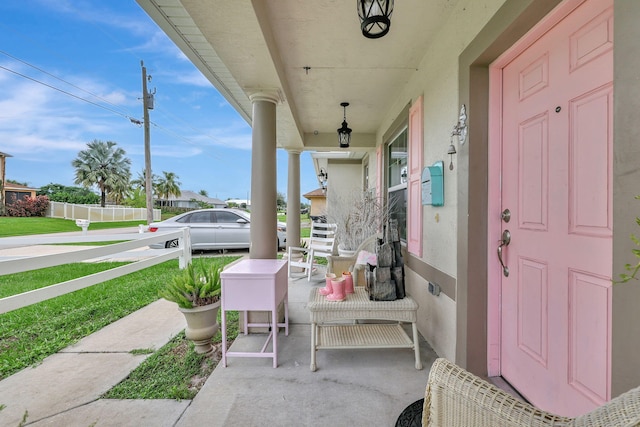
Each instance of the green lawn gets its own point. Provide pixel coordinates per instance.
(14, 226)
(26, 339)
(169, 372)
(30, 334)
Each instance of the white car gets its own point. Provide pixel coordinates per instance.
(214, 229)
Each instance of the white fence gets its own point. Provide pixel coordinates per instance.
(99, 214)
(132, 241)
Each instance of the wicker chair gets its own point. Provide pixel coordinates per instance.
(455, 397)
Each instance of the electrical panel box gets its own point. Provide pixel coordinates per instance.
(433, 184)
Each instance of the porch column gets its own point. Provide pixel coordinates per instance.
(293, 199)
(263, 176)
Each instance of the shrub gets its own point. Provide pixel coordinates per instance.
(29, 206)
(64, 194)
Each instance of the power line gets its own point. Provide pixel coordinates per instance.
(133, 120)
(130, 118)
(159, 108)
(121, 113)
(58, 78)
(68, 93)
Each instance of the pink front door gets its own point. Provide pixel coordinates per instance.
(556, 182)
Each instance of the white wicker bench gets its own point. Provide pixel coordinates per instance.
(357, 306)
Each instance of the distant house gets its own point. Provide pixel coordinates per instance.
(318, 200)
(14, 192)
(9, 192)
(242, 203)
(190, 199)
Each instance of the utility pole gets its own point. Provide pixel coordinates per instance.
(147, 104)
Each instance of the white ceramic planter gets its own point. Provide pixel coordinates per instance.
(202, 325)
(345, 252)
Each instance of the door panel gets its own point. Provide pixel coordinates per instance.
(556, 180)
(230, 233)
(201, 229)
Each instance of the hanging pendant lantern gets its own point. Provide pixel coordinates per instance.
(344, 133)
(375, 17)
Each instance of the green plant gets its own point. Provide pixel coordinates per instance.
(142, 351)
(195, 286)
(28, 207)
(632, 268)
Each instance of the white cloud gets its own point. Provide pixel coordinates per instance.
(178, 151)
(35, 118)
(193, 77)
(237, 135)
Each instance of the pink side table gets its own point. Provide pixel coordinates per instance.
(255, 285)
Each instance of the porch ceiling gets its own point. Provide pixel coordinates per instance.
(244, 46)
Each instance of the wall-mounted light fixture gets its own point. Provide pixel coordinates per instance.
(459, 130)
(344, 133)
(323, 177)
(375, 17)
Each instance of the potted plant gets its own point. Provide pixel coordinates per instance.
(358, 215)
(196, 290)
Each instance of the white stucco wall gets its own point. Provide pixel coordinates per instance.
(343, 180)
(437, 81)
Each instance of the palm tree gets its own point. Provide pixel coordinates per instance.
(102, 164)
(141, 181)
(119, 193)
(168, 185)
(203, 193)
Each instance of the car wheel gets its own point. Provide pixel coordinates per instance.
(171, 244)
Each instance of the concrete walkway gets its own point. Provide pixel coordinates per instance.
(350, 388)
(64, 390)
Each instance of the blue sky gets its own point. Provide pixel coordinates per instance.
(70, 73)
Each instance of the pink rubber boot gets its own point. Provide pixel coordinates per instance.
(338, 290)
(328, 289)
(348, 282)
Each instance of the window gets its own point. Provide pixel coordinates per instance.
(397, 181)
(200, 217)
(227, 217)
(366, 174)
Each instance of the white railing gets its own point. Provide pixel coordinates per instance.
(99, 214)
(132, 241)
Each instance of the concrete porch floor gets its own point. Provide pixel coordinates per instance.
(350, 387)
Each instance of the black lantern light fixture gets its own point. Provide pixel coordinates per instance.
(375, 17)
(323, 177)
(344, 133)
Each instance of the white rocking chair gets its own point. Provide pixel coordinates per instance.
(322, 243)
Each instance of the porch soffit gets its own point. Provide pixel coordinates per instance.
(241, 46)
